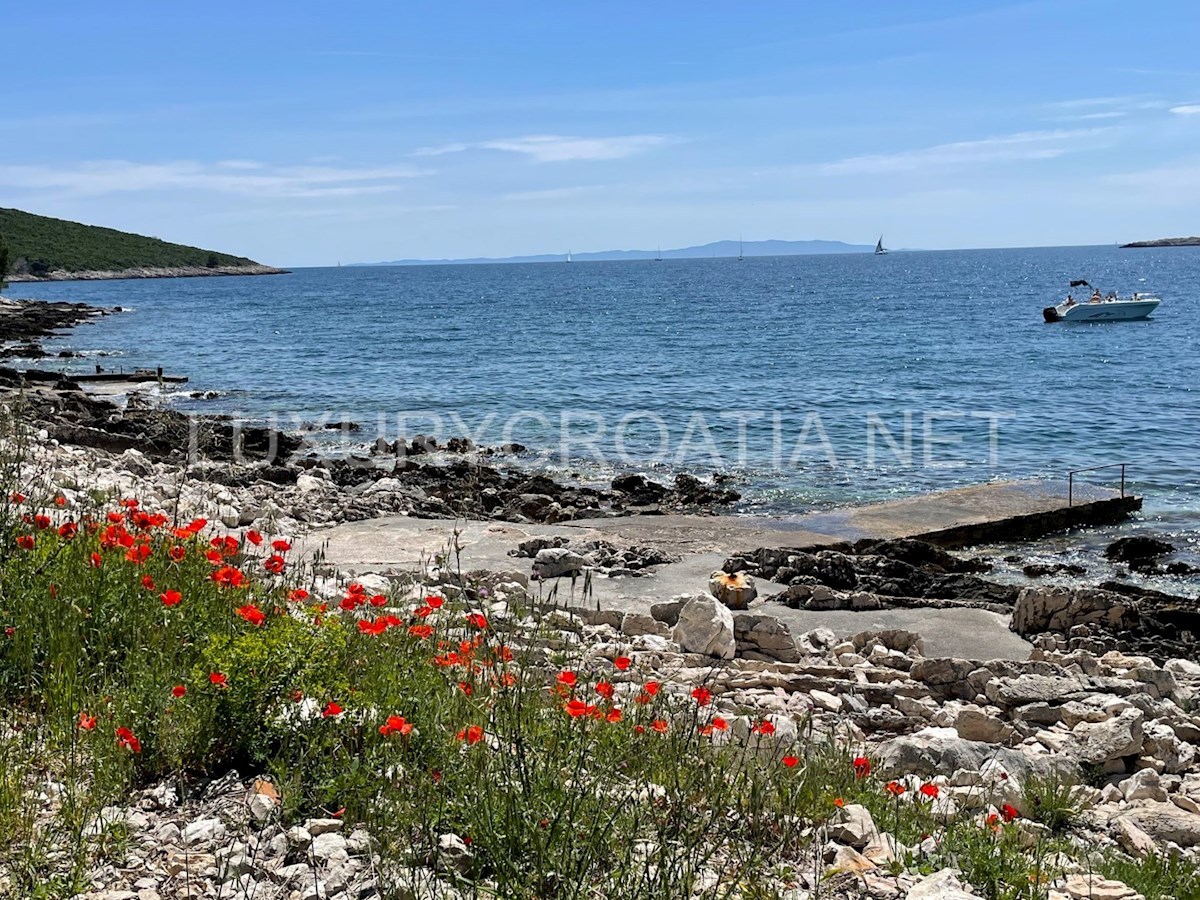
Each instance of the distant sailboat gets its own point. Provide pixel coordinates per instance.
(740, 256)
(879, 250)
(658, 258)
(569, 256)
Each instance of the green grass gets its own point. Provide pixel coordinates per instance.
(39, 244)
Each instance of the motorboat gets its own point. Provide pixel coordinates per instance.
(1103, 309)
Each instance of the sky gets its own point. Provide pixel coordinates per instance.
(310, 133)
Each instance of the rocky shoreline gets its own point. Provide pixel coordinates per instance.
(151, 272)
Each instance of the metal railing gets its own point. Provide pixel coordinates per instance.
(1071, 479)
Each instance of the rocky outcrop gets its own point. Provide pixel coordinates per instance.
(705, 626)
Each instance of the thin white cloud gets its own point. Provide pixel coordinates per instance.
(1085, 102)
(559, 148)
(561, 193)
(1096, 116)
(229, 176)
(1026, 145)
(1187, 109)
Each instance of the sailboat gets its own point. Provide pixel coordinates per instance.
(879, 249)
(658, 258)
(740, 256)
(568, 256)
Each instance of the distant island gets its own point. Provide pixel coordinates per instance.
(1166, 242)
(40, 248)
(704, 251)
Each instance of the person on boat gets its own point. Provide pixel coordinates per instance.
(1096, 298)
(1070, 300)
(1112, 295)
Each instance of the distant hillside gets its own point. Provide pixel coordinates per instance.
(41, 248)
(1166, 242)
(704, 251)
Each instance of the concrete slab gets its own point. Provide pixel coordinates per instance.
(983, 512)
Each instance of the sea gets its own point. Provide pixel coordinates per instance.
(807, 381)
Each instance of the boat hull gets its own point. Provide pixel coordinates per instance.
(1108, 311)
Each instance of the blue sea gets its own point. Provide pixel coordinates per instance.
(812, 380)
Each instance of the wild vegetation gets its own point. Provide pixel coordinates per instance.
(39, 245)
(138, 649)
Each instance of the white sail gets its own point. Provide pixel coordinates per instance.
(879, 245)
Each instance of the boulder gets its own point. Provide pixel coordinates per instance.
(1136, 548)
(734, 590)
(852, 825)
(1060, 609)
(1093, 887)
(1099, 742)
(705, 626)
(557, 562)
(764, 636)
(1166, 822)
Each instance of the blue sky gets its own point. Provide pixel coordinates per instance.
(305, 133)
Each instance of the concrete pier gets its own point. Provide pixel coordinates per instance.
(1000, 511)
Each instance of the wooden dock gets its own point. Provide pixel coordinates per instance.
(137, 376)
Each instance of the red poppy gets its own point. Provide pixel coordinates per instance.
(1009, 812)
(567, 679)
(613, 715)
(26, 542)
(465, 687)
(421, 631)
(894, 788)
(41, 521)
(68, 530)
(702, 695)
(331, 709)
(60, 500)
(170, 598)
(993, 821)
(622, 663)
(254, 537)
(395, 725)
(839, 802)
(435, 602)
(862, 767)
(126, 739)
(791, 761)
(197, 525)
(16, 497)
(177, 553)
(148, 582)
(930, 791)
(298, 595)
(218, 679)
(251, 614)
(229, 577)
(86, 722)
(651, 688)
(96, 560)
(377, 627)
(472, 735)
(660, 725)
(577, 708)
(275, 564)
(178, 691)
(763, 727)
(477, 620)
(604, 689)
(280, 546)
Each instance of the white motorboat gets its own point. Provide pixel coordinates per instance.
(1103, 309)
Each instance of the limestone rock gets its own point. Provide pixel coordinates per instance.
(1099, 742)
(764, 636)
(941, 885)
(1093, 887)
(735, 590)
(557, 562)
(1166, 822)
(706, 626)
(1060, 609)
(853, 825)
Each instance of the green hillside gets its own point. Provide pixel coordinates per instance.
(38, 245)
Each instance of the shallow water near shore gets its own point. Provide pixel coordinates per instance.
(815, 380)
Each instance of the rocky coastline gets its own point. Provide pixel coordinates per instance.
(150, 272)
(1106, 699)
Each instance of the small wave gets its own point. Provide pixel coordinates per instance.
(197, 395)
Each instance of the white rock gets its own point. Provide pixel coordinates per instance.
(556, 562)
(202, 831)
(706, 626)
(453, 855)
(853, 825)
(941, 885)
(1143, 785)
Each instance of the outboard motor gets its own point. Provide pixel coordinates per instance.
(1050, 314)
